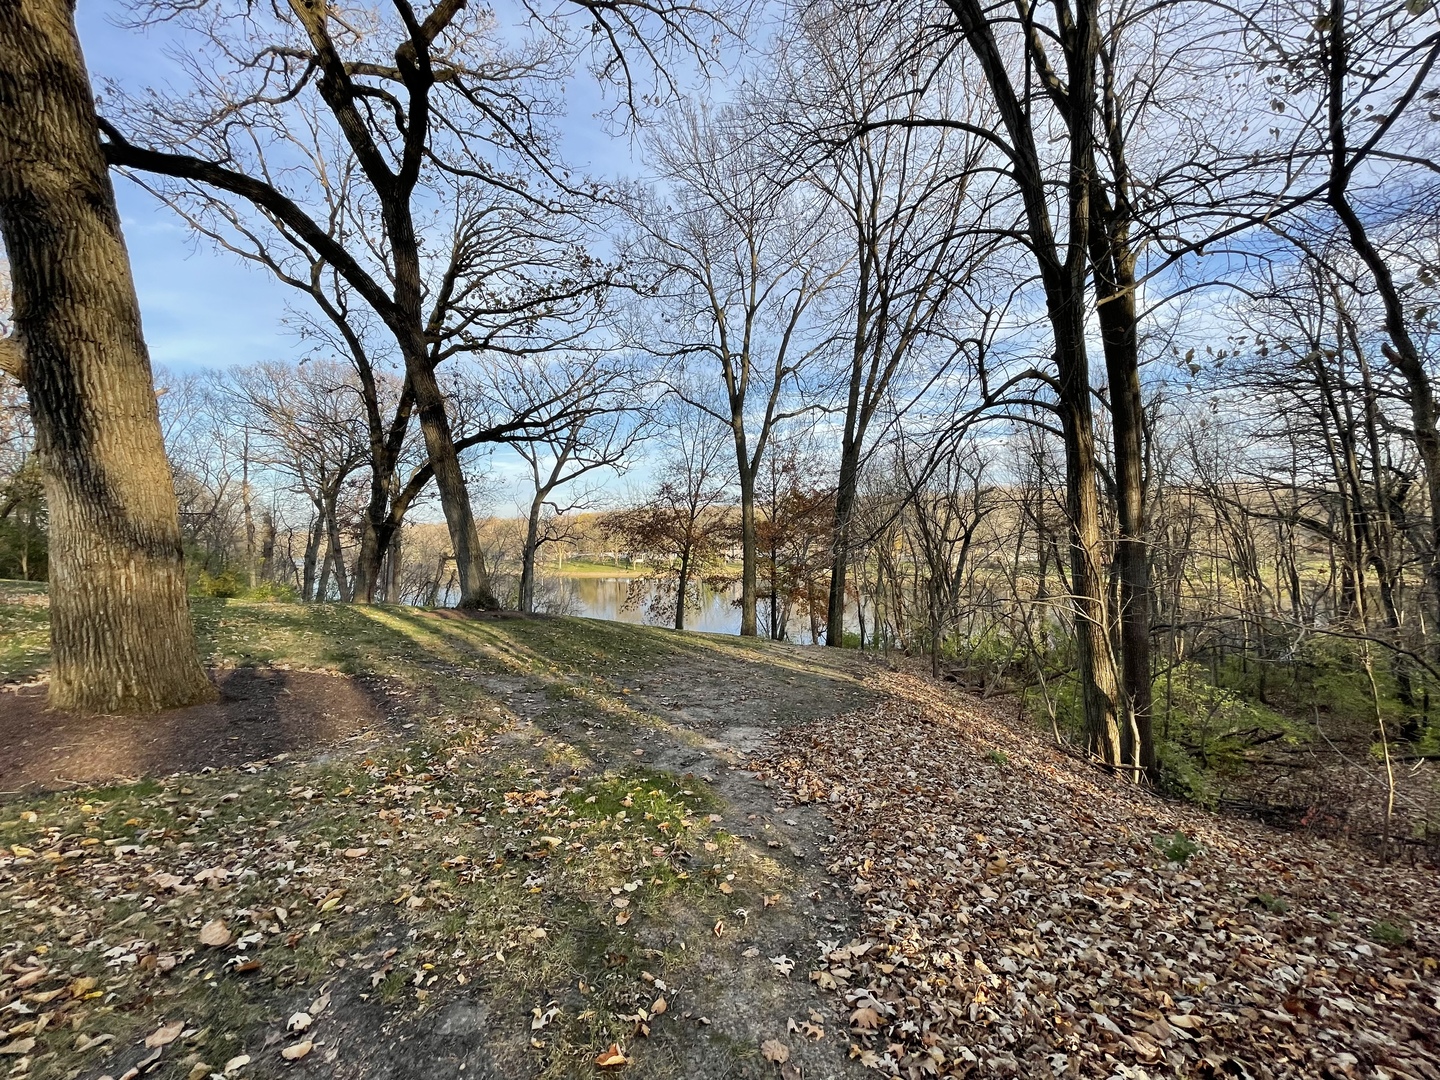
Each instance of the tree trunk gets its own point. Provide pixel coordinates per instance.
(393, 567)
(749, 571)
(370, 559)
(312, 558)
(840, 559)
(120, 630)
(682, 590)
(337, 555)
(267, 546)
(527, 557)
(1115, 289)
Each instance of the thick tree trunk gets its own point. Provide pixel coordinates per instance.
(121, 636)
(1115, 288)
(1095, 663)
(370, 559)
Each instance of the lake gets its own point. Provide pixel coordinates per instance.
(605, 598)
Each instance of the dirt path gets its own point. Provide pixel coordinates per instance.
(702, 719)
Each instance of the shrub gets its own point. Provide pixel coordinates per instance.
(225, 585)
(1177, 847)
(272, 592)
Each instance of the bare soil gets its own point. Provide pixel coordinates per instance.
(701, 718)
(261, 713)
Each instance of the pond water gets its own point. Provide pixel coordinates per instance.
(611, 598)
(631, 600)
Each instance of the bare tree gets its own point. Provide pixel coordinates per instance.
(735, 256)
(599, 431)
(857, 96)
(679, 520)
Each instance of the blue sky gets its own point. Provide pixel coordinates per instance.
(202, 307)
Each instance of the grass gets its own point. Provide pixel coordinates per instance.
(24, 630)
(396, 876)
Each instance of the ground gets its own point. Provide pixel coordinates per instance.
(422, 844)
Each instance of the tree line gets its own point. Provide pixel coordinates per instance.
(1091, 340)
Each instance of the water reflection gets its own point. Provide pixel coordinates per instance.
(610, 598)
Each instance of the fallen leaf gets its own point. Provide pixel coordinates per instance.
(298, 1051)
(612, 1058)
(165, 1035)
(215, 934)
(775, 1050)
(865, 1017)
(299, 1022)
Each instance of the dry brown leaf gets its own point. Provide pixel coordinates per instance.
(865, 1017)
(298, 1051)
(165, 1035)
(775, 1050)
(215, 934)
(612, 1058)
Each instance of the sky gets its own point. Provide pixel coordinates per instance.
(205, 308)
(201, 308)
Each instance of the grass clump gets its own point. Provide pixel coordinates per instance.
(1392, 932)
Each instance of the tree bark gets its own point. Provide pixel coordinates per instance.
(121, 636)
(527, 557)
(749, 571)
(844, 506)
(312, 556)
(1115, 291)
(682, 590)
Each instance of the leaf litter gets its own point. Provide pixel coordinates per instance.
(1027, 921)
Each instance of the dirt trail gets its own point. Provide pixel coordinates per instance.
(703, 718)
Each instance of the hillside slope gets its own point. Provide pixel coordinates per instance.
(517, 847)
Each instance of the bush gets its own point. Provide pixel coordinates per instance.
(1203, 731)
(272, 592)
(225, 585)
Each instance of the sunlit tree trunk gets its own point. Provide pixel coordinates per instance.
(121, 636)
